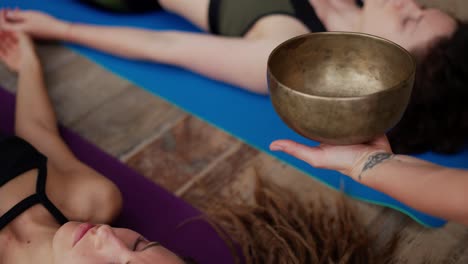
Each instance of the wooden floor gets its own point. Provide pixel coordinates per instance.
(198, 162)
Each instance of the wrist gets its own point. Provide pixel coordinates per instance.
(365, 166)
(29, 62)
(64, 30)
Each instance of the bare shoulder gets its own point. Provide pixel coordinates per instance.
(82, 194)
(277, 26)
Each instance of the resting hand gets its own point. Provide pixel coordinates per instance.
(16, 50)
(36, 24)
(348, 160)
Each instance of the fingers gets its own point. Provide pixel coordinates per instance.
(313, 155)
(15, 15)
(11, 19)
(4, 24)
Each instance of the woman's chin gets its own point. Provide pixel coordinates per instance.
(63, 238)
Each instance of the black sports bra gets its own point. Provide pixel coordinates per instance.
(16, 157)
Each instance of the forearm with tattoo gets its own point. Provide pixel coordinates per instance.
(374, 160)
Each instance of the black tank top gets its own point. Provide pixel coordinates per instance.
(16, 157)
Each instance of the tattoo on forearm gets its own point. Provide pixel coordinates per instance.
(375, 160)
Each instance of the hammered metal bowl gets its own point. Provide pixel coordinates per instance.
(340, 88)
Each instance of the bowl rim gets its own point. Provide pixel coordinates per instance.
(408, 54)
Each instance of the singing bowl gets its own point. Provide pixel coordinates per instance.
(340, 88)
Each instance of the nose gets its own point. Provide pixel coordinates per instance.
(104, 235)
(103, 230)
(112, 237)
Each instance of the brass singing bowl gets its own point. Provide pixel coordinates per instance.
(340, 88)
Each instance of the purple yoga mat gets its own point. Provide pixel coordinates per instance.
(148, 208)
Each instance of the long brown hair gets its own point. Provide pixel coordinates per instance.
(276, 227)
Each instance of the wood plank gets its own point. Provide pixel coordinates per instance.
(54, 56)
(386, 226)
(422, 245)
(126, 120)
(182, 152)
(213, 182)
(81, 87)
(459, 253)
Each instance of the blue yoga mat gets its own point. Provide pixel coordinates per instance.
(249, 117)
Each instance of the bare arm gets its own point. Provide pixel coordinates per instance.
(35, 119)
(37, 124)
(82, 192)
(430, 188)
(433, 189)
(238, 61)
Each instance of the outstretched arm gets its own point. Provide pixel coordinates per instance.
(436, 190)
(238, 61)
(88, 192)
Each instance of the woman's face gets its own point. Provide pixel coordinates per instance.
(406, 23)
(76, 243)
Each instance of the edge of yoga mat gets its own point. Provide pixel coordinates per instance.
(159, 80)
(166, 219)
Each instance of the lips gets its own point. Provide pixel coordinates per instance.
(81, 231)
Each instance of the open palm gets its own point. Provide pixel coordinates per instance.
(345, 159)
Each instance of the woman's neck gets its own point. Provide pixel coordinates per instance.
(27, 241)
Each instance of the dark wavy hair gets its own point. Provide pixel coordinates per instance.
(437, 116)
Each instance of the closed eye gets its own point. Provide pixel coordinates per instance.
(150, 245)
(139, 241)
(142, 244)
